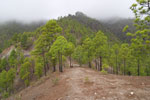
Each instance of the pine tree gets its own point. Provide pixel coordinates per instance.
(78, 54)
(100, 45)
(88, 47)
(69, 51)
(3, 64)
(25, 71)
(38, 67)
(124, 52)
(43, 44)
(116, 50)
(140, 42)
(12, 59)
(58, 50)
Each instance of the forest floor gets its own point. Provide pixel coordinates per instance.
(86, 84)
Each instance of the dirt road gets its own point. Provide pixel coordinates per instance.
(87, 84)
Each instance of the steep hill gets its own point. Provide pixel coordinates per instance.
(116, 25)
(81, 26)
(8, 29)
(86, 84)
(72, 41)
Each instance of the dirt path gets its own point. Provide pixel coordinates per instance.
(87, 84)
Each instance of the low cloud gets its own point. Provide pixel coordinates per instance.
(32, 10)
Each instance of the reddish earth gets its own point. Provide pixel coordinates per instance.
(7, 52)
(87, 84)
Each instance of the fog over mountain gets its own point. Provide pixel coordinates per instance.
(33, 10)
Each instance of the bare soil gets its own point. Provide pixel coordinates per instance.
(86, 84)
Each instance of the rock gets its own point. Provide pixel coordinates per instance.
(60, 98)
(131, 93)
(121, 93)
(95, 93)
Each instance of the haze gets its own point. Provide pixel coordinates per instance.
(33, 10)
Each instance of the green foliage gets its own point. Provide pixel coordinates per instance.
(3, 64)
(86, 79)
(125, 28)
(71, 38)
(5, 95)
(25, 71)
(59, 46)
(0, 50)
(55, 81)
(69, 48)
(3, 80)
(100, 43)
(8, 29)
(133, 56)
(24, 40)
(78, 54)
(101, 47)
(104, 72)
(39, 67)
(15, 38)
(88, 47)
(81, 26)
(50, 32)
(6, 82)
(58, 49)
(13, 58)
(11, 75)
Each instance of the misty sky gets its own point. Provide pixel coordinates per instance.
(32, 10)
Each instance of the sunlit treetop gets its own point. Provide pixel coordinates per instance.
(141, 7)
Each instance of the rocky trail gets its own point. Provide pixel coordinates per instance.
(86, 84)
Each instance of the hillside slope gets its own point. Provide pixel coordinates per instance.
(87, 84)
(83, 26)
(78, 25)
(8, 29)
(116, 25)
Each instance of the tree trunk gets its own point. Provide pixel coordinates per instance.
(116, 65)
(95, 64)
(100, 63)
(147, 71)
(70, 62)
(138, 70)
(148, 4)
(124, 63)
(54, 68)
(119, 64)
(129, 73)
(90, 64)
(47, 64)
(44, 65)
(60, 65)
(44, 70)
(113, 70)
(59, 62)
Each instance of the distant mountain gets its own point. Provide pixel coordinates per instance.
(8, 29)
(81, 26)
(116, 25)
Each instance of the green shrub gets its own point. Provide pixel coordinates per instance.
(5, 95)
(86, 79)
(55, 81)
(104, 72)
(18, 97)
